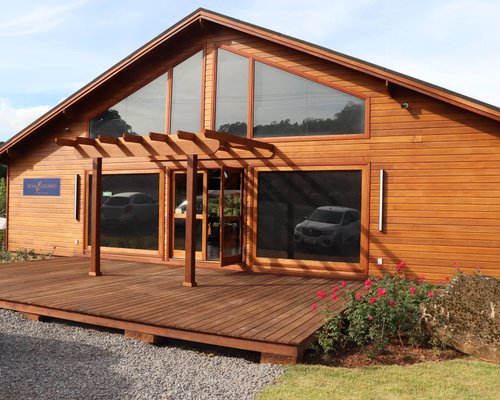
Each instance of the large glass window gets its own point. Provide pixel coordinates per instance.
(232, 93)
(138, 114)
(186, 95)
(289, 105)
(309, 215)
(129, 211)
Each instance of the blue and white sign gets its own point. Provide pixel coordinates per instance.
(42, 187)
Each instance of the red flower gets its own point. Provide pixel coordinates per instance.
(377, 278)
(381, 292)
(359, 296)
(334, 289)
(373, 300)
(400, 266)
(370, 317)
(344, 283)
(314, 306)
(422, 279)
(321, 294)
(334, 296)
(392, 302)
(430, 294)
(413, 289)
(368, 282)
(367, 288)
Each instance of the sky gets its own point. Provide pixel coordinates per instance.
(51, 48)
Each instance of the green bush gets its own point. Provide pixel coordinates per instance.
(387, 308)
(21, 255)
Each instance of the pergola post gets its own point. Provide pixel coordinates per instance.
(95, 235)
(190, 260)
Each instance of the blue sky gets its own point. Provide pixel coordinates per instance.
(49, 49)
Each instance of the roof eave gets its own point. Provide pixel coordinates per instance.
(456, 99)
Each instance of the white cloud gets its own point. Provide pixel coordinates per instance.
(13, 119)
(40, 18)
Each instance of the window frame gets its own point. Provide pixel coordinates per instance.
(114, 170)
(288, 265)
(170, 77)
(251, 89)
(107, 104)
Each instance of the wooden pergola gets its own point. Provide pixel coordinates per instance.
(182, 145)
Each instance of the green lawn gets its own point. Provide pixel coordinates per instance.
(456, 379)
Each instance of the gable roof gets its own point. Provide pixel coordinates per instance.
(202, 14)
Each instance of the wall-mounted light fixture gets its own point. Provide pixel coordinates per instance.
(405, 105)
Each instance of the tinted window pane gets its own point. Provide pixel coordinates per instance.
(180, 234)
(309, 215)
(232, 239)
(186, 95)
(180, 194)
(138, 114)
(289, 105)
(127, 219)
(232, 93)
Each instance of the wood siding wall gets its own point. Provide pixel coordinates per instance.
(442, 163)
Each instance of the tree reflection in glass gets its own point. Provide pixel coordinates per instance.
(138, 114)
(232, 93)
(289, 105)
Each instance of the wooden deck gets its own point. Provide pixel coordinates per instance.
(270, 314)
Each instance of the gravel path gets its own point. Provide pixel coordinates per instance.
(60, 360)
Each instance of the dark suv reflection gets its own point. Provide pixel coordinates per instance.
(129, 208)
(329, 226)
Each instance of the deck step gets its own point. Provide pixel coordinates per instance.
(143, 337)
(35, 317)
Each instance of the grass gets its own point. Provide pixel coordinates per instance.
(455, 379)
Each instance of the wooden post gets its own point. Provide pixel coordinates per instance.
(95, 235)
(192, 165)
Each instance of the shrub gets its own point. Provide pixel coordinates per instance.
(21, 255)
(387, 308)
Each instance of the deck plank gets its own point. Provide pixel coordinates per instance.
(242, 309)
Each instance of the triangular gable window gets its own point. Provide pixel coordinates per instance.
(138, 114)
(186, 95)
(284, 104)
(290, 105)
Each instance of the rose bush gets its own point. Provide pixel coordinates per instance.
(388, 308)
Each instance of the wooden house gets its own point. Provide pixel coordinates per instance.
(223, 144)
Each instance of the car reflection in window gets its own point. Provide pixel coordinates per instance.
(329, 227)
(129, 209)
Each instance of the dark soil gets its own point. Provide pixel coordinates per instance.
(396, 354)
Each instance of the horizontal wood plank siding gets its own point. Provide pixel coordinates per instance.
(442, 195)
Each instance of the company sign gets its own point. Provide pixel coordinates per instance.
(42, 187)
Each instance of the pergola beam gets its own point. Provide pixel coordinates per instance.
(66, 142)
(108, 139)
(127, 137)
(159, 137)
(238, 140)
(187, 135)
(85, 141)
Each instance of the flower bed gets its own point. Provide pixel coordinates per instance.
(387, 309)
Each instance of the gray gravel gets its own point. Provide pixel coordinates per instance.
(59, 360)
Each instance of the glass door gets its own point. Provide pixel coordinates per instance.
(231, 223)
(219, 218)
(179, 217)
